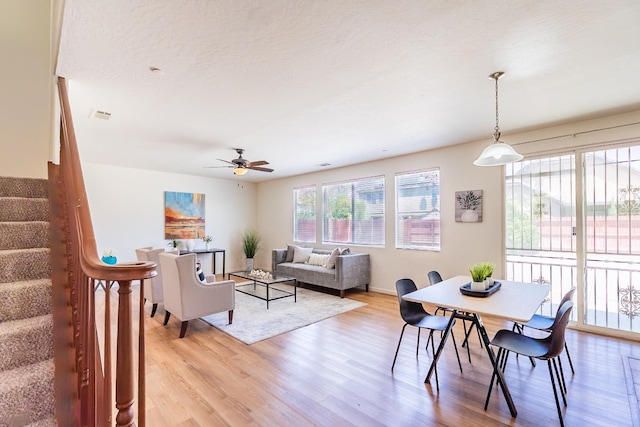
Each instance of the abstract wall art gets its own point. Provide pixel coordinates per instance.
(183, 215)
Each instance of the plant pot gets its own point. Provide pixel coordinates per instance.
(478, 286)
(249, 264)
(188, 244)
(109, 260)
(469, 216)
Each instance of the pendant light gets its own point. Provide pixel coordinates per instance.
(498, 153)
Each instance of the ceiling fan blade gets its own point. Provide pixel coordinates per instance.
(259, 163)
(215, 167)
(255, 168)
(226, 161)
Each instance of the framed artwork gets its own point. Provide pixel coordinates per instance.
(469, 206)
(183, 215)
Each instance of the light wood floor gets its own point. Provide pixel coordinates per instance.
(337, 373)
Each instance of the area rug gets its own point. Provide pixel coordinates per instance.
(252, 322)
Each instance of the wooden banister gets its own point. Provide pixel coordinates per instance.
(83, 389)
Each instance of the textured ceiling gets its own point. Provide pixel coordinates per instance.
(299, 83)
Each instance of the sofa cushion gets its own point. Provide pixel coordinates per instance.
(318, 259)
(290, 250)
(301, 255)
(331, 262)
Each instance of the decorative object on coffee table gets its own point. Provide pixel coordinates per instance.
(250, 246)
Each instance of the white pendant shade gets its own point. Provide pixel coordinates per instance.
(497, 154)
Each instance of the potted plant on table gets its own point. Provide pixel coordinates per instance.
(479, 274)
(250, 245)
(174, 244)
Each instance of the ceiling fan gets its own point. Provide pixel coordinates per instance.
(241, 166)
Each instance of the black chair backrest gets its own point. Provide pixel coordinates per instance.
(408, 309)
(557, 330)
(567, 297)
(434, 277)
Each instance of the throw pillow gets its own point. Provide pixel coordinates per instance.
(331, 261)
(290, 250)
(345, 251)
(301, 255)
(318, 259)
(199, 271)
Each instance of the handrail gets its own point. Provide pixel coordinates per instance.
(83, 385)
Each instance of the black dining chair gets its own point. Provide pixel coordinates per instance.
(435, 277)
(548, 348)
(414, 314)
(544, 323)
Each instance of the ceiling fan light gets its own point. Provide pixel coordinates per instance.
(240, 171)
(497, 154)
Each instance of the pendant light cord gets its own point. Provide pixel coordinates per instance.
(496, 133)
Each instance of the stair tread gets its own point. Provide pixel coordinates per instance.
(24, 324)
(25, 299)
(27, 393)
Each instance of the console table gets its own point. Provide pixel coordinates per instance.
(213, 252)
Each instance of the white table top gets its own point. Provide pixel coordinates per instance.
(515, 300)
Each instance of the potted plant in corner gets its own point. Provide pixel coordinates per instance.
(250, 245)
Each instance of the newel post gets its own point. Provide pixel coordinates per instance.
(124, 357)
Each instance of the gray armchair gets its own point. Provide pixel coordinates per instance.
(186, 297)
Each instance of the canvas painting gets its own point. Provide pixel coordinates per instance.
(469, 206)
(183, 215)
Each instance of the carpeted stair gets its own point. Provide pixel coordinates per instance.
(26, 328)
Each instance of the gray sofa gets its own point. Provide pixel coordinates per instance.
(351, 270)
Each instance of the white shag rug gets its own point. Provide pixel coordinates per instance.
(252, 322)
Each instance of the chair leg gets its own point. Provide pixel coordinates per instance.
(166, 318)
(555, 393)
(564, 384)
(153, 309)
(455, 346)
(433, 351)
(562, 390)
(183, 328)
(569, 357)
(418, 343)
(230, 316)
(493, 377)
(398, 348)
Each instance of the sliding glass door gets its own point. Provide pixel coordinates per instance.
(577, 223)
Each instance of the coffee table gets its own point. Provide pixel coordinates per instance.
(263, 288)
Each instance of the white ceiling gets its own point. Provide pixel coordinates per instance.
(304, 82)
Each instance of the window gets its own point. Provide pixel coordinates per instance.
(418, 210)
(354, 211)
(304, 214)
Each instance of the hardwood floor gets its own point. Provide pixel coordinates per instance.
(337, 373)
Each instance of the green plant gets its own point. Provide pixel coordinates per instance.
(250, 243)
(340, 207)
(174, 243)
(481, 271)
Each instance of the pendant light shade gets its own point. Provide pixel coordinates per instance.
(240, 171)
(498, 153)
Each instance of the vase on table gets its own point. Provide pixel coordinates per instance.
(109, 260)
(249, 264)
(206, 246)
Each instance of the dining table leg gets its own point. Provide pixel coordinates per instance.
(443, 340)
(496, 368)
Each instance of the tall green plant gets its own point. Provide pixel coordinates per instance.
(250, 243)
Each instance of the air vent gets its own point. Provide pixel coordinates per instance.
(98, 114)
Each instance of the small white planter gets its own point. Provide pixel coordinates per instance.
(478, 286)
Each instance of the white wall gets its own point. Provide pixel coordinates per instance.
(28, 81)
(463, 244)
(127, 209)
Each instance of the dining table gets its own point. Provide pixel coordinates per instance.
(516, 301)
